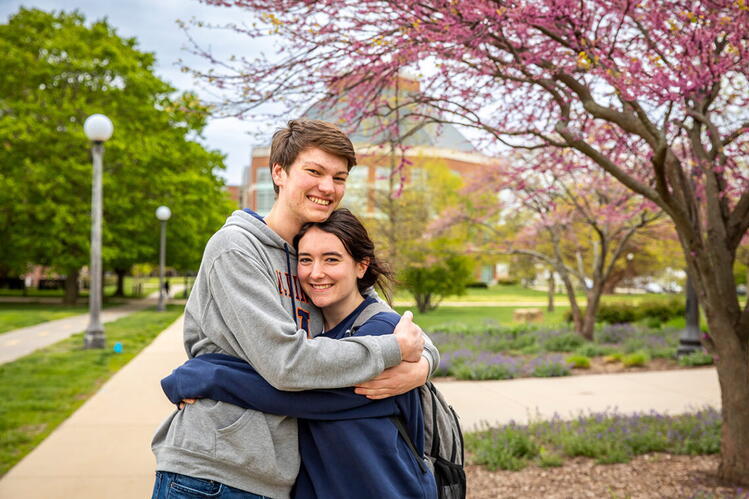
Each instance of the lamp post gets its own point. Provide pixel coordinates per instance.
(162, 213)
(689, 340)
(98, 129)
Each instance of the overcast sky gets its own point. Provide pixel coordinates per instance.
(152, 22)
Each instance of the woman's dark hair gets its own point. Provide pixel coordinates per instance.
(346, 227)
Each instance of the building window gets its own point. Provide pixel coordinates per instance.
(264, 197)
(264, 194)
(356, 189)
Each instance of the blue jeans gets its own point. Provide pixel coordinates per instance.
(175, 486)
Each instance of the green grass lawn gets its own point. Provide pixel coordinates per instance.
(18, 315)
(515, 293)
(44, 388)
(149, 285)
(476, 316)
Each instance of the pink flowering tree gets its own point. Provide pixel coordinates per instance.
(655, 93)
(578, 221)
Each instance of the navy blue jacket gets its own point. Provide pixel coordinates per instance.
(349, 444)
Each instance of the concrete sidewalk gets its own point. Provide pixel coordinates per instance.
(19, 342)
(103, 450)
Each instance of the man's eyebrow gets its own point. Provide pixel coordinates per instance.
(323, 167)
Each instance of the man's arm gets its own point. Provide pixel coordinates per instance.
(229, 379)
(265, 336)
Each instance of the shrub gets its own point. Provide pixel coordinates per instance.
(616, 313)
(483, 371)
(549, 459)
(565, 342)
(636, 359)
(633, 345)
(592, 350)
(478, 285)
(579, 361)
(606, 437)
(654, 312)
(614, 357)
(698, 358)
(614, 333)
(548, 368)
(508, 448)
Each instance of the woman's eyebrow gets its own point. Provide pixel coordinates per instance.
(327, 253)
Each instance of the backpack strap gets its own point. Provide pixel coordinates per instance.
(370, 311)
(398, 422)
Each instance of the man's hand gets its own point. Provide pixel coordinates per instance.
(186, 401)
(410, 338)
(399, 379)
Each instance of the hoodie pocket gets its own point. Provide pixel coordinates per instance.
(248, 443)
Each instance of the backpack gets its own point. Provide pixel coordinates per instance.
(443, 438)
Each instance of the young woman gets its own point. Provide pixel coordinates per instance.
(350, 445)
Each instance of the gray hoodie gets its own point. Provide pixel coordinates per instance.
(241, 305)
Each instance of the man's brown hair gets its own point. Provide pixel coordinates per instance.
(301, 134)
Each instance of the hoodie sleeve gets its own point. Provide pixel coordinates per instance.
(236, 382)
(264, 335)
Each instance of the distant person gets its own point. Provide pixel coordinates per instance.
(166, 288)
(247, 303)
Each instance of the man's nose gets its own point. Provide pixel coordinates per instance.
(326, 185)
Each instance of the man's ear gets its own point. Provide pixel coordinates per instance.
(361, 267)
(278, 174)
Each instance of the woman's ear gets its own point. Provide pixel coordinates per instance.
(361, 267)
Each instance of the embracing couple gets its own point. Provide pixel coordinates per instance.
(282, 322)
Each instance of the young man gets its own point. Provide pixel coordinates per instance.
(246, 302)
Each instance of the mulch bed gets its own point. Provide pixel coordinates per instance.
(645, 477)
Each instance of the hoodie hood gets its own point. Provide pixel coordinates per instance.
(252, 222)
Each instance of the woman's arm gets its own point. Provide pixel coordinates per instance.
(229, 379)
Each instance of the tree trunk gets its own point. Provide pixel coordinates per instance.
(423, 302)
(729, 336)
(120, 291)
(71, 287)
(552, 289)
(591, 311)
(733, 375)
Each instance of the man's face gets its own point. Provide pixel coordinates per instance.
(313, 186)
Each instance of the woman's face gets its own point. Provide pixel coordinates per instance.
(327, 271)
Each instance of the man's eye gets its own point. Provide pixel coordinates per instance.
(340, 179)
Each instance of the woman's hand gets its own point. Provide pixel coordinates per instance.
(397, 380)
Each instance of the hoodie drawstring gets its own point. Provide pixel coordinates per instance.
(292, 287)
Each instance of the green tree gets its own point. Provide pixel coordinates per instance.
(431, 281)
(57, 70)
